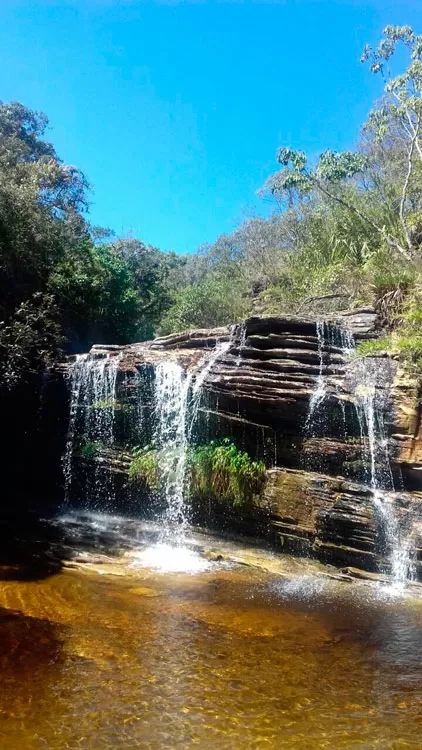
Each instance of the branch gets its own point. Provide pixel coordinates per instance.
(308, 300)
(406, 185)
(148, 306)
(415, 132)
(350, 207)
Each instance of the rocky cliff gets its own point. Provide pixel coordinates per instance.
(286, 390)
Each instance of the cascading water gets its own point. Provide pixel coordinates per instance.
(201, 375)
(242, 334)
(177, 395)
(221, 348)
(367, 378)
(92, 385)
(172, 386)
(319, 392)
(76, 377)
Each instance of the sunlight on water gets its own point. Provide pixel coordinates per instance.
(301, 587)
(169, 559)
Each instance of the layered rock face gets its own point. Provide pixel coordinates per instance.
(286, 390)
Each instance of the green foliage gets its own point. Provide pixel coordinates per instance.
(222, 471)
(410, 349)
(89, 448)
(109, 403)
(347, 230)
(30, 340)
(96, 295)
(60, 286)
(216, 300)
(374, 346)
(144, 468)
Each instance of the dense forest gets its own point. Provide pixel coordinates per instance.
(345, 231)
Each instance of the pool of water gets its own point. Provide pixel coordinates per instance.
(127, 652)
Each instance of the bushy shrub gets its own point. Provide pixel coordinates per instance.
(144, 468)
(89, 448)
(222, 471)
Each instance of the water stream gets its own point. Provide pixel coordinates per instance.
(172, 386)
(369, 378)
(92, 388)
(318, 394)
(177, 397)
(112, 655)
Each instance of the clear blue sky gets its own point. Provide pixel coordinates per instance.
(174, 110)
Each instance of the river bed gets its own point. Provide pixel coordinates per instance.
(225, 646)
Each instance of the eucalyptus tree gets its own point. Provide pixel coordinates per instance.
(343, 178)
(401, 112)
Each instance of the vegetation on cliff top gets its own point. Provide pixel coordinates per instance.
(345, 231)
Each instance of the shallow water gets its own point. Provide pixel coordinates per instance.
(113, 654)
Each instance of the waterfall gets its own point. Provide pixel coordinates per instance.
(221, 348)
(76, 377)
(319, 392)
(368, 378)
(92, 386)
(201, 375)
(177, 398)
(172, 386)
(242, 341)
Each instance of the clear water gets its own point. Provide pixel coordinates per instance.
(112, 655)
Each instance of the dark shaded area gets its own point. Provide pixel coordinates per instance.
(27, 646)
(31, 548)
(34, 419)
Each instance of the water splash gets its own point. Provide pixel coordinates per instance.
(168, 558)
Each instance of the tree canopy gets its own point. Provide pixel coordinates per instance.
(63, 288)
(346, 230)
(347, 227)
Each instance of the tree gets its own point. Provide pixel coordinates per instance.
(401, 107)
(335, 172)
(62, 284)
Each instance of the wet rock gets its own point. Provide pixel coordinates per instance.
(258, 394)
(365, 575)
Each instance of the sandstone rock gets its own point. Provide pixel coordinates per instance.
(258, 393)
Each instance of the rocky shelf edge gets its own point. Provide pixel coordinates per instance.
(260, 388)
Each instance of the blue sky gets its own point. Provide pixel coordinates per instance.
(174, 110)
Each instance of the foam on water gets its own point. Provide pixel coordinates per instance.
(167, 558)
